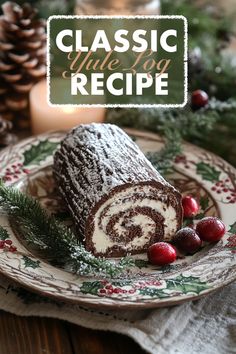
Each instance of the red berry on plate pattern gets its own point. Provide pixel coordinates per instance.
(187, 240)
(199, 99)
(161, 253)
(210, 229)
(8, 242)
(12, 249)
(190, 206)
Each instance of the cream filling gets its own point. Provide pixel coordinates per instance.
(118, 204)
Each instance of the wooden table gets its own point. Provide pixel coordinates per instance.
(31, 335)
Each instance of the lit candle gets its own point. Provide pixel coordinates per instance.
(118, 7)
(45, 118)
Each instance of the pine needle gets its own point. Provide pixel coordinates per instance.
(56, 240)
(174, 125)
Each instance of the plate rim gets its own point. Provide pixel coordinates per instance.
(115, 303)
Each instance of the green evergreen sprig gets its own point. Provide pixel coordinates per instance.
(187, 122)
(163, 160)
(174, 125)
(56, 240)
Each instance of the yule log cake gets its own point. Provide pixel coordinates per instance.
(119, 202)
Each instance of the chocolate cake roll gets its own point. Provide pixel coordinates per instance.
(119, 202)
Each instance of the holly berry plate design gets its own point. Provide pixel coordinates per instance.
(28, 166)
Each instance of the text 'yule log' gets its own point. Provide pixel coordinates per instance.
(118, 83)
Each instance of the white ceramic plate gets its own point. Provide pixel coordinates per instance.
(27, 166)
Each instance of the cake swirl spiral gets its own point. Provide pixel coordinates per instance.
(119, 202)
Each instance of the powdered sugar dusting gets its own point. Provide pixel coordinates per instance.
(93, 160)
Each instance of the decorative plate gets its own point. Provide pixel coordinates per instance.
(211, 180)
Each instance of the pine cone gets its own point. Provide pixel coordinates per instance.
(6, 137)
(22, 58)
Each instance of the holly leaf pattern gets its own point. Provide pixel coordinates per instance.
(204, 202)
(4, 235)
(39, 152)
(231, 243)
(91, 287)
(122, 283)
(180, 284)
(208, 172)
(232, 228)
(186, 284)
(30, 263)
(153, 292)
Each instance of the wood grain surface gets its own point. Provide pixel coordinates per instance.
(31, 335)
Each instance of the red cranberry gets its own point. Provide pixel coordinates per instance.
(187, 240)
(210, 229)
(161, 253)
(190, 206)
(199, 99)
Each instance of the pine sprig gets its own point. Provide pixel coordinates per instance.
(163, 159)
(174, 125)
(188, 122)
(56, 240)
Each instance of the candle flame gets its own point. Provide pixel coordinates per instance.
(68, 109)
